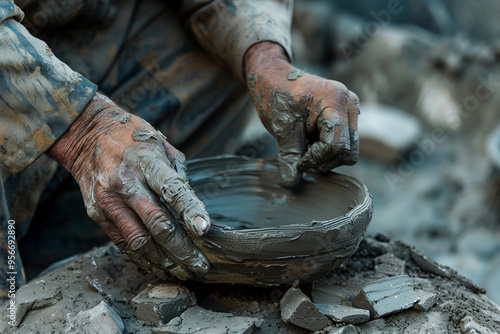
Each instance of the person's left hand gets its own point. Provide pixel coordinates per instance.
(314, 120)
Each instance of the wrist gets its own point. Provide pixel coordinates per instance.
(264, 57)
(71, 144)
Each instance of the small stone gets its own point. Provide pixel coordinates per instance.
(389, 265)
(427, 300)
(199, 320)
(298, 309)
(97, 320)
(161, 303)
(387, 296)
(345, 314)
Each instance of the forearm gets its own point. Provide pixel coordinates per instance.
(229, 29)
(40, 96)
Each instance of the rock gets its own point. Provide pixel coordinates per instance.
(97, 320)
(385, 133)
(389, 265)
(163, 302)
(346, 314)
(468, 325)
(298, 309)
(199, 320)
(387, 296)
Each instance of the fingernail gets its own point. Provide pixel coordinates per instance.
(200, 268)
(200, 225)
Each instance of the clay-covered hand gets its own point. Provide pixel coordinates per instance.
(123, 167)
(313, 119)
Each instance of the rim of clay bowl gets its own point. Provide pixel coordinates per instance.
(493, 148)
(280, 255)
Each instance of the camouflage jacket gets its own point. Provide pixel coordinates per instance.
(40, 96)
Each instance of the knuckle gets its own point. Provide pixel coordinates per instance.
(162, 227)
(153, 213)
(137, 241)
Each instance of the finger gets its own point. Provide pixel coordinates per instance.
(168, 184)
(138, 240)
(333, 144)
(177, 158)
(179, 164)
(353, 154)
(353, 113)
(115, 235)
(290, 132)
(167, 233)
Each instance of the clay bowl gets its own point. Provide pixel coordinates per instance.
(266, 235)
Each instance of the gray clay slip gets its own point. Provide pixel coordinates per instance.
(263, 234)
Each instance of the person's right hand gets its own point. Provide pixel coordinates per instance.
(123, 166)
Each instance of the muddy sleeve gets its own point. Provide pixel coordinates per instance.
(228, 28)
(40, 96)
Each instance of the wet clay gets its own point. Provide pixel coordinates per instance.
(295, 74)
(285, 118)
(264, 234)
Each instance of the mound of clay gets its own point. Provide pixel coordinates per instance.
(385, 287)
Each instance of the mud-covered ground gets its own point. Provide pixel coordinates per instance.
(97, 292)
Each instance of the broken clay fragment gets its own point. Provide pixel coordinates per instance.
(35, 296)
(298, 309)
(429, 265)
(161, 303)
(427, 300)
(389, 265)
(99, 319)
(387, 296)
(349, 329)
(199, 320)
(468, 325)
(345, 314)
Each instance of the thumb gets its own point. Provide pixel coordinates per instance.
(292, 146)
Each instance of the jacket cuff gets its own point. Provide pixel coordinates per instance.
(40, 97)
